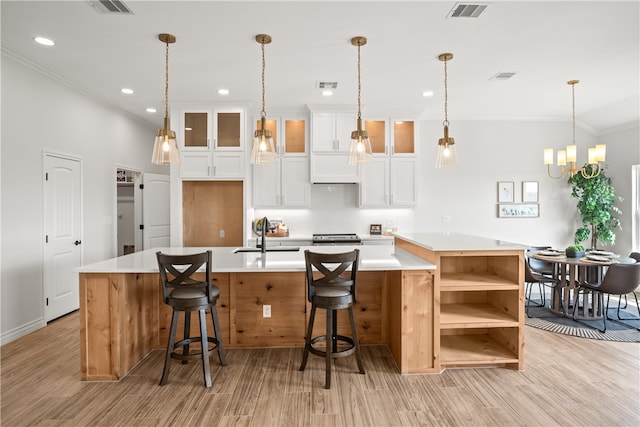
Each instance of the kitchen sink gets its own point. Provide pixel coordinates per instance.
(273, 249)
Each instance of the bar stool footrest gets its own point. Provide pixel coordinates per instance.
(334, 355)
(193, 356)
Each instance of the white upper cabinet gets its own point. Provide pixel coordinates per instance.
(212, 143)
(285, 181)
(331, 132)
(389, 179)
(330, 143)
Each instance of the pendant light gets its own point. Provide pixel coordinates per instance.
(263, 151)
(165, 148)
(446, 156)
(360, 151)
(595, 154)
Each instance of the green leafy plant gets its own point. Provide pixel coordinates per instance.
(596, 204)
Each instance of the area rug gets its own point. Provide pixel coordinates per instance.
(542, 318)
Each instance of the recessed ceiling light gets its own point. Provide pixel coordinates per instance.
(151, 110)
(126, 91)
(327, 92)
(223, 91)
(427, 93)
(44, 41)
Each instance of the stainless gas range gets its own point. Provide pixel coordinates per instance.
(335, 239)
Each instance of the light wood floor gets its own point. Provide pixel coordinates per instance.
(568, 381)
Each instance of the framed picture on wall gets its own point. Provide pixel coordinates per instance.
(518, 210)
(529, 191)
(505, 192)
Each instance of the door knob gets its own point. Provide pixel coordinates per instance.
(77, 242)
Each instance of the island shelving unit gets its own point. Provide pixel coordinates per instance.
(479, 303)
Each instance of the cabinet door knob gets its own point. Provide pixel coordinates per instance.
(77, 242)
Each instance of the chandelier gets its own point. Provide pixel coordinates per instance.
(596, 154)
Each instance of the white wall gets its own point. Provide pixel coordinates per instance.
(40, 113)
(623, 151)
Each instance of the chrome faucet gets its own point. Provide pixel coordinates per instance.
(263, 236)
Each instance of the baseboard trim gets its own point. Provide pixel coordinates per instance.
(21, 331)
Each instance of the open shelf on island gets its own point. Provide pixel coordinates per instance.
(475, 350)
(474, 316)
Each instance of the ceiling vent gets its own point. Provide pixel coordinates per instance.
(502, 76)
(111, 7)
(327, 85)
(461, 10)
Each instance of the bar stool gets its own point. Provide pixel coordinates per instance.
(185, 294)
(332, 291)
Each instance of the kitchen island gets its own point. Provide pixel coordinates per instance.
(123, 317)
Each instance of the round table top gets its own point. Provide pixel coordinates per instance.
(563, 259)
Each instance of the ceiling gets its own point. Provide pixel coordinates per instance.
(544, 43)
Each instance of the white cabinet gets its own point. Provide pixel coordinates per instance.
(331, 132)
(388, 182)
(282, 183)
(212, 143)
(285, 181)
(330, 142)
(389, 179)
(212, 165)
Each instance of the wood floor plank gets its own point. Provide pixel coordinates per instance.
(568, 381)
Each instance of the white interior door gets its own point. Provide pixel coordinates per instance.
(63, 235)
(155, 210)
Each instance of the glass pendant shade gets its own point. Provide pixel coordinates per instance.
(360, 149)
(263, 149)
(165, 147)
(446, 156)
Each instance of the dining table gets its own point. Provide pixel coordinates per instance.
(570, 271)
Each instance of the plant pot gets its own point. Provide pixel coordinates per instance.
(573, 254)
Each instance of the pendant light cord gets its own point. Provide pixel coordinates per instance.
(446, 96)
(359, 116)
(263, 112)
(573, 106)
(166, 81)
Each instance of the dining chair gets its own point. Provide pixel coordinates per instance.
(331, 285)
(185, 292)
(620, 279)
(533, 277)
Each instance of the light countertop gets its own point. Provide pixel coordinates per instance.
(444, 241)
(372, 258)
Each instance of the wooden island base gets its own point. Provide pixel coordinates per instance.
(123, 317)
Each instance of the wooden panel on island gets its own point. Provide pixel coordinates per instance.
(123, 316)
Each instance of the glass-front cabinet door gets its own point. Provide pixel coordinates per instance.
(295, 136)
(377, 131)
(403, 137)
(195, 129)
(228, 127)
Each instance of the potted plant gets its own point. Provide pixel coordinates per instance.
(596, 204)
(574, 251)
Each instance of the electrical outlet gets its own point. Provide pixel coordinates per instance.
(446, 218)
(222, 234)
(266, 310)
